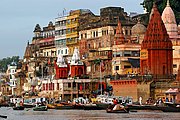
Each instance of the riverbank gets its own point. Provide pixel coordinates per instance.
(29, 114)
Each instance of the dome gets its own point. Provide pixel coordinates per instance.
(138, 28)
(169, 20)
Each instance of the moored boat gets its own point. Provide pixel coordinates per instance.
(18, 108)
(170, 109)
(29, 105)
(40, 108)
(51, 106)
(62, 107)
(117, 109)
(91, 107)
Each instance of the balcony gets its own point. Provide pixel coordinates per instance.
(103, 55)
(47, 44)
(71, 42)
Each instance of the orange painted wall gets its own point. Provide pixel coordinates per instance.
(125, 88)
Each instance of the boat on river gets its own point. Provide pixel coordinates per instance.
(170, 109)
(63, 106)
(118, 108)
(40, 108)
(51, 106)
(104, 101)
(18, 108)
(91, 106)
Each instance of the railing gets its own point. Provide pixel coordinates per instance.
(47, 44)
(69, 42)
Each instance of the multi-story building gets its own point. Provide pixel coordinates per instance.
(40, 54)
(72, 28)
(60, 36)
(11, 71)
(97, 38)
(125, 54)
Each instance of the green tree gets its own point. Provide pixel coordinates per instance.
(6, 61)
(161, 4)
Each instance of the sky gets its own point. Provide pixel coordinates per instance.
(19, 17)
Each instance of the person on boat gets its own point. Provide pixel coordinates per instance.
(21, 103)
(115, 101)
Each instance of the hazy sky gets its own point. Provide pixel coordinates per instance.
(19, 17)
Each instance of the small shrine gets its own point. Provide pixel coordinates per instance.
(77, 68)
(61, 68)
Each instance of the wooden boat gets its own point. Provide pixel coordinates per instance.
(51, 106)
(18, 108)
(40, 108)
(3, 116)
(91, 107)
(78, 106)
(62, 107)
(28, 105)
(117, 109)
(102, 105)
(171, 109)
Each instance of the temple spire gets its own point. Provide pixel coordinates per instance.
(76, 58)
(157, 47)
(119, 36)
(168, 4)
(60, 61)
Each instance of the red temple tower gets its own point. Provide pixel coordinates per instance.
(156, 48)
(61, 68)
(77, 67)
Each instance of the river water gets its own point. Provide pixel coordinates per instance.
(29, 114)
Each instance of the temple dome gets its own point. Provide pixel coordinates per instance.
(76, 58)
(169, 21)
(138, 28)
(60, 61)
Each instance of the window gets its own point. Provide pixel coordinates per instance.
(99, 44)
(114, 32)
(96, 33)
(68, 30)
(116, 68)
(127, 66)
(85, 35)
(127, 53)
(58, 52)
(174, 65)
(69, 85)
(65, 51)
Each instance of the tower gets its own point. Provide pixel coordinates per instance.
(76, 66)
(156, 48)
(169, 20)
(119, 36)
(61, 68)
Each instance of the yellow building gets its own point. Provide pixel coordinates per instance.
(72, 25)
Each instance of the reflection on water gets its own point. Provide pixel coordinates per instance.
(29, 114)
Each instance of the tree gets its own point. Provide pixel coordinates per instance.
(161, 4)
(6, 61)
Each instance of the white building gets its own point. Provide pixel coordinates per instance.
(60, 36)
(11, 71)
